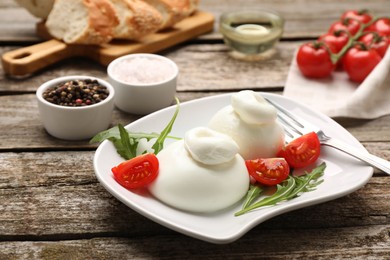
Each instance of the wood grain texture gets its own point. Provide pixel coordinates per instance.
(202, 67)
(362, 243)
(19, 116)
(53, 207)
(64, 182)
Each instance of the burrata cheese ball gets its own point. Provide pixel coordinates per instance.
(202, 173)
(251, 122)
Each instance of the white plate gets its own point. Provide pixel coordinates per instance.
(343, 174)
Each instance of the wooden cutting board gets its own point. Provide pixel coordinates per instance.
(27, 60)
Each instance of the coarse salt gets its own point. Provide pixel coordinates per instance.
(143, 70)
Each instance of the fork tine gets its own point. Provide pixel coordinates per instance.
(289, 129)
(306, 127)
(293, 126)
(287, 113)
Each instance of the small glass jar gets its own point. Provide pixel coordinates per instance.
(251, 34)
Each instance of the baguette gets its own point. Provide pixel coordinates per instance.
(173, 11)
(183, 8)
(100, 21)
(82, 21)
(136, 19)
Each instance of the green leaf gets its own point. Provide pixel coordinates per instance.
(114, 133)
(159, 144)
(107, 134)
(291, 188)
(128, 146)
(282, 191)
(126, 142)
(252, 194)
(308, 182)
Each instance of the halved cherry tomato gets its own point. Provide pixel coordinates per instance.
(362, 15)
(137, 172)
(350, 25)
(359, 61)
(302, 151)
(270, 171)
(314, 60)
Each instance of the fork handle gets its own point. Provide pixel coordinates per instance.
(372, 160)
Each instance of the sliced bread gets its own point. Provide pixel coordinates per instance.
(82, 21)
(174, 11)
(136, 19)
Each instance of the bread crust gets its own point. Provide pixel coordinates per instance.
(101, 20)
(180, 10)
(139, 20)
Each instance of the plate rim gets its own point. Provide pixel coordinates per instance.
(257, 220)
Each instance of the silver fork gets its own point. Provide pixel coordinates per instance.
(295, 127)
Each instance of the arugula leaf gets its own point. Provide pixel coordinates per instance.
(291, 188)
(282, 191)
(114, 133)
(159, 144)
(308, 182)
(126, 142)
(128, 149)
(253, 192)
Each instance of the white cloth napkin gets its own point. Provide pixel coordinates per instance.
(337, 96)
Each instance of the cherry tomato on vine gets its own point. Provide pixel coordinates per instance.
(314, 60)
(137, 172)
(350, 25)
(270, 171)
(376, 42)
(362, 16)
(335, 41)
(359, 61)
(302, 151)
(381, 26)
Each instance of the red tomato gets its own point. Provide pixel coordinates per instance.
(270, 171)
(302, 151)
(314, 61)
(137, 172)
(362, 16)
(335, 41)
(350, 25)
(378, 43)
(381, 26)
(359, 62)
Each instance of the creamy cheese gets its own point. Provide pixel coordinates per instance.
(251, 122)
(209, 147)
(202, 173)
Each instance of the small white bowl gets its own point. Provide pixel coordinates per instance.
(143, 82)
(75, 123)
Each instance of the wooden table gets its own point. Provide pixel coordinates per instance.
(53, 207)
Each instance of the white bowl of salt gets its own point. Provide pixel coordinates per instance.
(143, 82)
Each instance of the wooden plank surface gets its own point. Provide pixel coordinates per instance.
(201, 68)
(52, 206)
(361, 242)
(19, 112)
(304, 19)
(81, 208)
